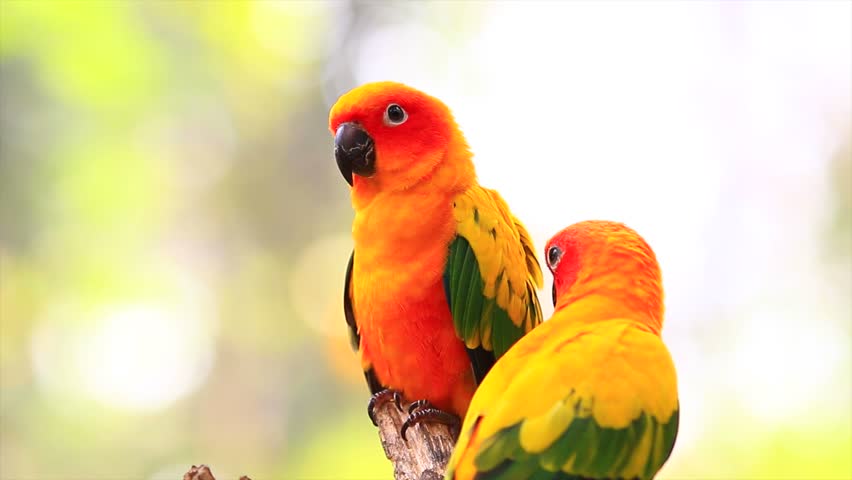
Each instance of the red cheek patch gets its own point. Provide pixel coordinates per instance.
(569, 266)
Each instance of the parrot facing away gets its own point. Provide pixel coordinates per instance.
(592, 392)
(442, 279)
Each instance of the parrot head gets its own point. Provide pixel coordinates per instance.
(392, 135)
(598, 255)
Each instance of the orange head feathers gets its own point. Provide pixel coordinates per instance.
(388, 136)
(608, 262)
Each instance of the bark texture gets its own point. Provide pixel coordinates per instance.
(424, 456)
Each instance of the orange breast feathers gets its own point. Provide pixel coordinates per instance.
(406, 327)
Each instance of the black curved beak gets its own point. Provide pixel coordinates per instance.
(554, 294)
(354, 151)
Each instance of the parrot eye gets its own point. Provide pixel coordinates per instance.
(395, 115)
(554, 254)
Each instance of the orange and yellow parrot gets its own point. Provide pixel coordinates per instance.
(442, 279)
(592, 392)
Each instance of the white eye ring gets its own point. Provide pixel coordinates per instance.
(554, 255)
(395, 115)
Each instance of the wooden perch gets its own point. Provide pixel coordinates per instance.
(423, 457)
(202, 472)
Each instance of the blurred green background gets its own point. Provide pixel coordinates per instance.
(174, 231)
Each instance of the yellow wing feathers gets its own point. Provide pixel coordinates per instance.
(547, 394)
(504, 251)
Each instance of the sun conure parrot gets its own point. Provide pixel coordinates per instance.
(592, 392)
(442, 279)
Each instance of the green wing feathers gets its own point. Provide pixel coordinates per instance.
(596, 401)
(348, 311)
(478, 320)
(583, 450)
(491, 274)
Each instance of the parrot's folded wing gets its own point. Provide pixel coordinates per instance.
(602, 404)
(354, 337)
(490, 278)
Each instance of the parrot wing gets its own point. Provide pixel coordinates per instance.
(599, 403)
(354, 337)
(490, 278)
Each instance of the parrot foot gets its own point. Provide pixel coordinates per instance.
(380, 398)
(420, 412)
(418, 405)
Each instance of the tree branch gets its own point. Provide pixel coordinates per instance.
(202, 472)
(424, 456)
